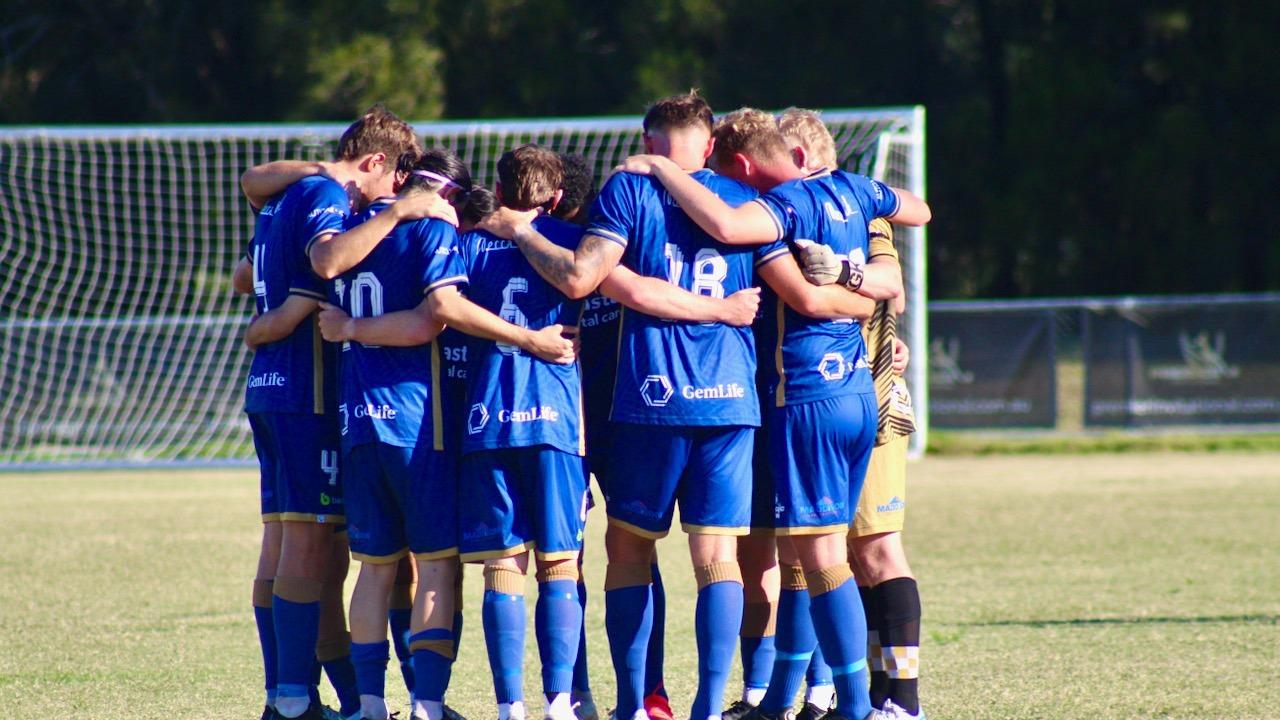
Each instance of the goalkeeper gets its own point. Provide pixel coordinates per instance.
(890, 597)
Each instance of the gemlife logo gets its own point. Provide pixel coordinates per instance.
(656, 390)
(477, 419)
(832, 366)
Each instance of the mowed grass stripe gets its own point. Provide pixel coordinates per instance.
(1114, 586)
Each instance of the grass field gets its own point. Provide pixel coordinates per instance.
(1104, 586)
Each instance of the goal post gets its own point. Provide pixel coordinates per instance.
(119, 334)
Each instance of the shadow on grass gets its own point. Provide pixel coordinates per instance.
(1262, 618)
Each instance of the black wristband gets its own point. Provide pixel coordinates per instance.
(854, 274)
(843, 278)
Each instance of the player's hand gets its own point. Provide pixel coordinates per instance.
(551, 345)
(821, 266)
(247, 335)
(504, 222)
(419, 204)
(335, 324)
(741, 307)
(901, 356)
(641, 164)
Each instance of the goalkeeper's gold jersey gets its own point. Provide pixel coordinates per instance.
(896, 416)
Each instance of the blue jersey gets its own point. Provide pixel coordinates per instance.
(679, 373)
(818, 359)
(513, 398)
(598, 331)
(294, 374)
(452, 350)
(387, 391)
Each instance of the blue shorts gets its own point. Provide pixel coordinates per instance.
(520, 499)
(818, 453)
(763, 498)
(706, 469)
(401, 500)
(599, 437)
(298, 455)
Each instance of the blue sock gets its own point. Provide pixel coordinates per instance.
(628, 621)
(430, 666)
(842, 630)
(716, 621)
(370, 661)
(296, 628)
(557, 625)
(819, 672)
(267, 639)
(757, 661)
(313, 690)
(342, 676)
(657, 637)
(503, 617)
(795, 641)
(398, 618)
(581, 677)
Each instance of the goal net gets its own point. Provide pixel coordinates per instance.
(119, 333)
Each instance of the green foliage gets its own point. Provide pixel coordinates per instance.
(347, 77)
(1073, 148)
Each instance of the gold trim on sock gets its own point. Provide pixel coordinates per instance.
(793, 577)
(443, 648)
(558, 571)
(505, 580)
(262, 593)
(621, 575)
(723, 571)
(759, 619)
(298, 589)
(827, 579)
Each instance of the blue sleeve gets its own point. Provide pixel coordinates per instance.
(444, 266)
(781, 210)
(613, 216)
(326, 209)
(883, 200)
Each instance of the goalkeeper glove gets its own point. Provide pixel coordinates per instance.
(821, 266)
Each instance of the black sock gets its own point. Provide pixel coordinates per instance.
(899, 608)
(879, 678)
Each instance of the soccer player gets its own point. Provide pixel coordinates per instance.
(890, 597)
(821, 428)
(684, 405)
(598, 334)
(401, 486)
(290, 401)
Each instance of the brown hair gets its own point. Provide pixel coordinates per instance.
(806, 129)
(749, 131)
(529, 175)
(378, 131)
(678, 111)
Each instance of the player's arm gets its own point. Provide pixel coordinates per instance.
(260, 182)
(403, 328)
(824, 302)
(242, 277)
(576, 273)
(447, 305)
(278, 323)
(665, 300)
(912, 210)
(748, 224)
(335, 253)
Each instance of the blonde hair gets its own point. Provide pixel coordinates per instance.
(749, 131)
(806, 129)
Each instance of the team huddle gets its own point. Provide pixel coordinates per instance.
(439, 368)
